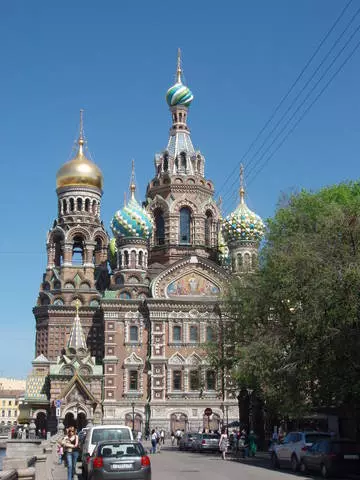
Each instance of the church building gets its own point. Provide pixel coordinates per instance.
(123, 317)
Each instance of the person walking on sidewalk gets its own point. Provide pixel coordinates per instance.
(153, 441)
(223, 443)
(71, 447)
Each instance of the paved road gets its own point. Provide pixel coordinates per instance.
(171, 464)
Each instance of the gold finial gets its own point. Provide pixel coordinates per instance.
(81, 134)
(178, 70)
(132, 181)
(242, 189)
(77, 305)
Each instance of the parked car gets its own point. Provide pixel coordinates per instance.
(292, 449)
(102, 433)
(187, 440)
(206, 442)
(114, 460)
(332, 457)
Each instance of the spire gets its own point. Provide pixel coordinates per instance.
(132, 181)
(77, 338)
(242, 189)
(81, 140)
(178, 70)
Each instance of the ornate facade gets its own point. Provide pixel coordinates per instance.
(148, 299)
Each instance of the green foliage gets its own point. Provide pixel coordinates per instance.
(297, 328)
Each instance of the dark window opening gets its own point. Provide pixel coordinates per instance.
(210, 380)
(72, 205)
(133, 380)
(78, 251)
(177, 378)
(208, 228)
(134, 334)
(79, 204)
(194, 333)
(185, 221)
(209, 334)
(177, 334)
(87, 205)
(166, 162)
(194, 380)
(159, 228)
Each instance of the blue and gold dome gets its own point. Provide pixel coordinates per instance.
(243, 223)
(179, 94)
(132, 220)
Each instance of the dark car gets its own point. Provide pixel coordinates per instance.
(206, 442)
(116, 460)
(187, 440)
(332, 457)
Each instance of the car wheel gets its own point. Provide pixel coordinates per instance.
(303, 467)
(275, 461)
(294, 463)
(324, 471)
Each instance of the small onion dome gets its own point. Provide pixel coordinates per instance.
(243, 224)
(132, 221)
(80, 171)
(179, 94)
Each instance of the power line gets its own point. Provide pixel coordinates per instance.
(303, 101)
(288, 92)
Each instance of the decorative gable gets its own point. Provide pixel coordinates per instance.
(176, 359)
(133, 359)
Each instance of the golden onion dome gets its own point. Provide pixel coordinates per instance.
(79, 171)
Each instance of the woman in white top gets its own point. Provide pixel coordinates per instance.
(223, 443)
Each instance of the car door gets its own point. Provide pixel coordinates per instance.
(311, 456)
(282, 450)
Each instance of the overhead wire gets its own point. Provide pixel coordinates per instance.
(287, 93)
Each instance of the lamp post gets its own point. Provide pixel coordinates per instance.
(133, 415)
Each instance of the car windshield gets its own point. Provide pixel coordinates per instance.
(345, 447)
(316, 437)
(120, 450)
(101, 434)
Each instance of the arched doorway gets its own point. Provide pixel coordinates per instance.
(81, 421)
(41, 424)
(212, 423)
(178, 421)
(138, 421)
(69, 420)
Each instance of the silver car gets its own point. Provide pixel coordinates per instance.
(112, 460)
(187, 440)
(206, 442)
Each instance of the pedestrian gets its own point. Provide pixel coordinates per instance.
(162, 436)
(71, 448)
(139, 436)
(252, 443)
(153, 441)
(60, 452)
(244, 442)
(172, 438)
(158, 442)
(223, 443)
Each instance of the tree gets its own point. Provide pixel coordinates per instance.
(296, 327)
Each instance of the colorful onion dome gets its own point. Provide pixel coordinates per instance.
(179, 94)
(132, 220)
(243, 224)
(80, 171)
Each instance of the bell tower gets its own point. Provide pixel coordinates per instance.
(76, 270)
(179, 197)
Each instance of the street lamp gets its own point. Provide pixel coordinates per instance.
(133, 416)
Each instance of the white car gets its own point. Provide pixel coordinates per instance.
(291, 450)
(99, 433)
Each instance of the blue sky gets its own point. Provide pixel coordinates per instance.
(116, 60)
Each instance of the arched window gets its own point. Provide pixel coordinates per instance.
(247, 260)
(79, 204)
(133, 259)
(166, 162)
(126, 258)
(209, 334)
(239, 260)
(141, 255)
(94, 207)
(183, 160)
(210, 380)
(97, 251)
(87, 205)
(185, 221)
(72, 205)
(159, 227)
(254, 260)
(194, 380)
(134, 334)
(64, 206)
(208, 228)
(78, 251)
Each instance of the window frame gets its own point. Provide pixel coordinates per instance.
(132, 329)
(177, 375)
(133, 375)
(191, 330)
(177, 328)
